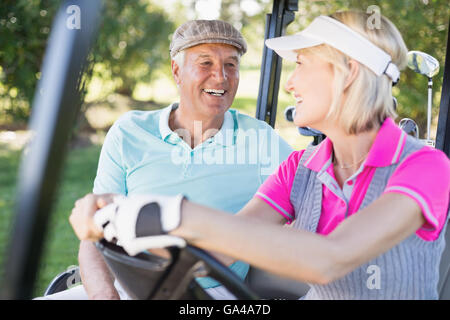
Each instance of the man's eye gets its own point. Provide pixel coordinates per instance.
(298, 62)
(231, 65)
(205, 63)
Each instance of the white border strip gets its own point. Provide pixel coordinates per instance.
(399, 147)
(275, 204)
(312, 155)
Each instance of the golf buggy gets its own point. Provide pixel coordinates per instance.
(148, 276)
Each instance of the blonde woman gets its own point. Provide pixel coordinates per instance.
(368, 198)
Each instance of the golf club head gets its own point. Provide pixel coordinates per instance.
(409, 126)
(289, 113)
(423, 63)
(395, 103)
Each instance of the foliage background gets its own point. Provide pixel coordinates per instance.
(132, 71)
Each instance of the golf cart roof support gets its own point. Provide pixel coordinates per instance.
(276, 23)
(56, 103)
(443, 129)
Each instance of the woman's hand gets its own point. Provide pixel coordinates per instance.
(82, 217)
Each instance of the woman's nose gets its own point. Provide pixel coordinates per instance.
(289, 86)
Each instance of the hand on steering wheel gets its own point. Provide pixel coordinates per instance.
(141, 222)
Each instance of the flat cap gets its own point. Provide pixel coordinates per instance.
(196, 32)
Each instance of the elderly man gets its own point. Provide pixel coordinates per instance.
(200, 147)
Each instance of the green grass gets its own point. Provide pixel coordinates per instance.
(8, 167)
(61, 245)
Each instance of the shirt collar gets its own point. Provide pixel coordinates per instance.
(385, 150)
(225, 136)
(164, 128)
(321, 156)
(388, 145)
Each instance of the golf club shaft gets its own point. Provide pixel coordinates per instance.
(430, 96)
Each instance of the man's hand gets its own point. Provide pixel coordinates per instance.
(95, 275)
(96, 278)
(82, 217)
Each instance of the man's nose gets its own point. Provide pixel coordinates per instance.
(219, 73)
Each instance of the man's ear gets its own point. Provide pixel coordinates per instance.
(175, 72)
(354, 70)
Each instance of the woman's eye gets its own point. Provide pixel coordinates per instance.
(298, 62)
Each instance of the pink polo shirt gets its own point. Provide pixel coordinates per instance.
(423, 176)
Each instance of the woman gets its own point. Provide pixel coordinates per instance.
(367, 199)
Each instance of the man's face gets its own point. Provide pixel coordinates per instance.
(208, 79)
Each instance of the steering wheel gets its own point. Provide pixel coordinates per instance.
(148, 276)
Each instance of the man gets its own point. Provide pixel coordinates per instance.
(216, 156)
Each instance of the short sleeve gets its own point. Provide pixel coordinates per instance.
(111, 174)
(424, 176)
(276, 190)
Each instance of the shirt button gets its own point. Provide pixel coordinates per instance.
(350, 183)
(343, 204)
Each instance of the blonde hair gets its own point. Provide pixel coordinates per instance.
(369, 97)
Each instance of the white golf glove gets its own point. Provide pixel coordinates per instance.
(141, 222)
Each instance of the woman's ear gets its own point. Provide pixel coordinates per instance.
(175, 72)
(354, 69)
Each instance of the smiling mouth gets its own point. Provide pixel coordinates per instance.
(215, 92)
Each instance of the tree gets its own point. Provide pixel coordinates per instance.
(24, 28)
(132, 43)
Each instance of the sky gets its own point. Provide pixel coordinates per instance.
(210, 9)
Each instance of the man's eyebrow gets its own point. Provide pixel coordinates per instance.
(235, 58)
(205, 55)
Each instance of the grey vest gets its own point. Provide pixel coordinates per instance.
(409, 270)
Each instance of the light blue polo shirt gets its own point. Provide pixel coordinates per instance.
(142, 155)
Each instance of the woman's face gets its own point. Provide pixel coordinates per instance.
(311, 84)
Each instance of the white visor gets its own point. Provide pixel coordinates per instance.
(336, 34)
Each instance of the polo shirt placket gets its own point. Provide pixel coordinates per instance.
(385, 151)
(195, 156)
